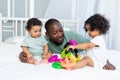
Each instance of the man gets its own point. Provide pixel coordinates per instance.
(57, 37)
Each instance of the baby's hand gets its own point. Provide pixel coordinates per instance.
(70, 47)
(44, 61)
(29, 56)
(44, 56)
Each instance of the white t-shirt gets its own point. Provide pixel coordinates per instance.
(98, 54)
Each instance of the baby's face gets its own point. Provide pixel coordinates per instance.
(35, 31)
(92, 33)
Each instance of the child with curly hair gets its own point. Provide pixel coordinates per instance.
(96, 26)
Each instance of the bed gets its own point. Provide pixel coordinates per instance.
(12, 69)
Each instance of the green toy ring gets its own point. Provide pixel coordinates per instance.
(56, 65)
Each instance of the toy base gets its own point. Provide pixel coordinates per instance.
(67, 64)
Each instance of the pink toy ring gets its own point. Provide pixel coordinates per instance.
(53, 58)
(73, 42)
(58, 60)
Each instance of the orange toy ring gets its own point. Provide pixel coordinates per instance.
(69, 64)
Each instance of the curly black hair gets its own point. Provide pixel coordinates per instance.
(98, 22)
(33, 22)
(51, 22)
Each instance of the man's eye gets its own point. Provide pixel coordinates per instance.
(54, 33)
(61, 31)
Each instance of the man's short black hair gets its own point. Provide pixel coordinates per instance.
(50, 22)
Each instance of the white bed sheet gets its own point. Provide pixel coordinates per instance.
(12, 69)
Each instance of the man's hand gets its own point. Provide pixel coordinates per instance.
(23, 57)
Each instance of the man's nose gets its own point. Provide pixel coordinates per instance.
(59, 34)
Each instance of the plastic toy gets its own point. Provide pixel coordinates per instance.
(57, 65)
(54, 58)
(73, 42)
(58, 60)
(69, 53)
(71, 59)
(67, 63)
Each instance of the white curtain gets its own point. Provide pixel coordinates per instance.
(82, 9)
(85, 8)
(110, 9)
(71, 9)
(60, 9)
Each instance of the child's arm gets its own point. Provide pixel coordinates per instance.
(83, 46)
(46, 53)
(45, 49)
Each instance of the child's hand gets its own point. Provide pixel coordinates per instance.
(44, 61)
(30, 57)
(44, 56)
(70, 47)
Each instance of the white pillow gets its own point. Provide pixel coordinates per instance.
(14, 40)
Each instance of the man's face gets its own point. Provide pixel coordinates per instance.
(55, 33)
